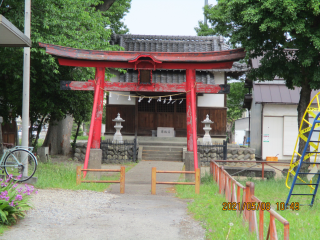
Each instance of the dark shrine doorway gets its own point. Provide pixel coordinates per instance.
(162, 113)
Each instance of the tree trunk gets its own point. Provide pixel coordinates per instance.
(58, 136)
(305, 95)
(75, 137)
(38, 134)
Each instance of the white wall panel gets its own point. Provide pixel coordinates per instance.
(219, 77)
(121, 98)
(280, 110)
(272, 138)
(290, 134)
(211, 100)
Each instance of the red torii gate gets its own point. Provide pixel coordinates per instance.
(190, 61)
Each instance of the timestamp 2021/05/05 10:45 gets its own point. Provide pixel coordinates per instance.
(255, 206)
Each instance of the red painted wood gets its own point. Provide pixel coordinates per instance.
(100, 76)
(191, 79)
(99, 72)
(189, 114)
(131, 56)
(156, 87)
(126, 65)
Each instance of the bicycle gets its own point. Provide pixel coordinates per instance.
(13, 162)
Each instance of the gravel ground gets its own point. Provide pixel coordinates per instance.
(65, 214)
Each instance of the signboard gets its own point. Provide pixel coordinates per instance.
(265, 137)
(165, 132)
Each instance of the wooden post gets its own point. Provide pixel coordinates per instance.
(197, 179)
(153, 180)
(286, 231)
(252, 213)
(191, 114)
(273, 231)
(122, 179)
(247, 200)
(96, 137)
(262, 171)
(238, 200)
(261, 224)
(78, 175)
(99, 71)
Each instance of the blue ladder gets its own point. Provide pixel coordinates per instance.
(305, 151)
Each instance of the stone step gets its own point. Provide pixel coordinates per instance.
(161, 155)
(162, 143)
(163, 148)
(162, 159)
(160, 151)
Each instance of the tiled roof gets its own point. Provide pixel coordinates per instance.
(158, 43)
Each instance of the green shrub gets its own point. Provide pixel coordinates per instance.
(14, 201)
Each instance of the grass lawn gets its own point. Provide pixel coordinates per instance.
(63, 175)
(84, 138)
(207, 208)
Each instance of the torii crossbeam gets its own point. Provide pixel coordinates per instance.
(189, 61)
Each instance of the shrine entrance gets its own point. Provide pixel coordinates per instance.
(145, 62)
(151, 114)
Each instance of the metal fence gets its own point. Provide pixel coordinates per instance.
(216, 151)
(119, 152)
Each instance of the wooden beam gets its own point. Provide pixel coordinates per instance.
(128, 65)
(134, 87)
(135, 56)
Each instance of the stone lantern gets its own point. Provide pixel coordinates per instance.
(207, 128)
(117, 136)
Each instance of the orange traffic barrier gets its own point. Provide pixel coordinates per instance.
(121, 181)
(154, 179)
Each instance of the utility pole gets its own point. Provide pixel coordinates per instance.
(205, 18)
(26, 85)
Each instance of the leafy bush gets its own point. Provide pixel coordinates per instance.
(13, 200)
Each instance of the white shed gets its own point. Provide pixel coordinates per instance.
(274, 119)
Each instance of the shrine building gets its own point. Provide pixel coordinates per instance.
(144, 112)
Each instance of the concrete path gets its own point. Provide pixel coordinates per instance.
(136, 215)
(138, 179)
(140, 215)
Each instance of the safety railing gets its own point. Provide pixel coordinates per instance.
(154, 179)
(258, 162)
(249, 203)
(122, 171)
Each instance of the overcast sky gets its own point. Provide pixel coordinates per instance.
(165, 17)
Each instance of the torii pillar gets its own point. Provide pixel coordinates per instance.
(96, 117)
(191, 115)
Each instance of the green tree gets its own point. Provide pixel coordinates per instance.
(234, 104)
(72, 23)
(285, 33)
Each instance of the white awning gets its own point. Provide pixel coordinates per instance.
(11, 36)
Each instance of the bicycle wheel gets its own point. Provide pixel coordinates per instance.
(15, 163)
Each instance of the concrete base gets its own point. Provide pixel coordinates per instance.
(32, 180)
(43, 154)
(189, 165)
(140, 150)
(95, 160)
